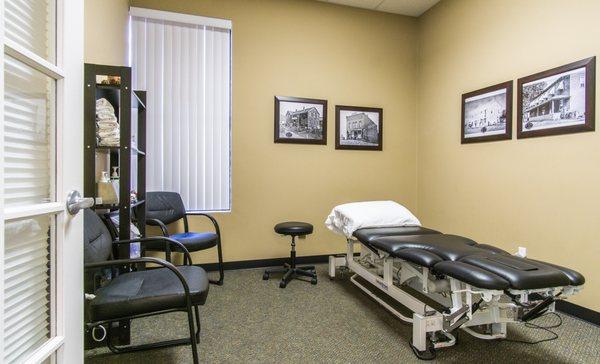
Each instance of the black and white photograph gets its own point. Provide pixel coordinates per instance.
(358, 128)
(299, 120)
(557, 101)
(487, 114)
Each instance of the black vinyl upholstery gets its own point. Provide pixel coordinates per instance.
(294, 228)
(148, 291)
(97, 240)
(164, 206)
(480, 265)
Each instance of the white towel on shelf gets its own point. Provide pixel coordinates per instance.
(104, 105)
(109, 142)
(347, 218)
(108, 134)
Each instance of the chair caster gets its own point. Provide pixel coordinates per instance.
(265, 276)
(282, 284)
(313, 281)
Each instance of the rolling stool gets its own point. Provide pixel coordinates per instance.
(290, 271)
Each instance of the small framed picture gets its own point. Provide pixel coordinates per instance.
(300, 121)
(557, 101)
(358, 128)
(487, 114)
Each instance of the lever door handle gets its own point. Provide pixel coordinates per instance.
(75, 202)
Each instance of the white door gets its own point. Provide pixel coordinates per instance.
(41, 160)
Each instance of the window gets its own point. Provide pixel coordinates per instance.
(184, 64)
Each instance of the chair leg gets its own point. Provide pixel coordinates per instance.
(192, 334)
(221, 269)
(197, 324)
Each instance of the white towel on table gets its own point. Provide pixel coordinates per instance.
(347, 218)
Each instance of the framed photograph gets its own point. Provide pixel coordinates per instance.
(300, 121)
(487, 114)
(358, 128)
(557, 101)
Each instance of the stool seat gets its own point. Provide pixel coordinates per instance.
(294, 228)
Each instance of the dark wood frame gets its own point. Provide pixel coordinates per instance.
(278, 139)
(378, 110)
(124, 99)
(507, 135)
(590, 99)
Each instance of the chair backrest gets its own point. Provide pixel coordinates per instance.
(97, 241)
(164, 206)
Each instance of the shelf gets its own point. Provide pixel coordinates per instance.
(139, 152)
(111, 207)
(109, 87)
(137, 203)
(108, 148)
(136, 101)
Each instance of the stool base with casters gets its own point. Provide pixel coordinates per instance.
(290, 270)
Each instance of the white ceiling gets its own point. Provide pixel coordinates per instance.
(404, 7)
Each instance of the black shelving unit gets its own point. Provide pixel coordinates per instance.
(129, 156)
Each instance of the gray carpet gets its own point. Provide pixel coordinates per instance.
(249, 320)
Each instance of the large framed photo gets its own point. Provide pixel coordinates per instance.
(557, 101)
(300, 121)
(358, 128)
(487, 114)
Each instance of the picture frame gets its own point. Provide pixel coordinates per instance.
(358, 128)
(560, 100)
(486, 114)
(300, 120)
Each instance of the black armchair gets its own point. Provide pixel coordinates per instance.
(163, 208)
(141, 293)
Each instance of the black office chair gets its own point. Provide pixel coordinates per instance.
(138, 293)
(163, 208)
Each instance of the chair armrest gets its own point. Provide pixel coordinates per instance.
(168, 241)
(157, 222)
(161, 262)
(212, 219)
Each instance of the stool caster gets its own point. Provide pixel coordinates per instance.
(282, 284)
(313, 281)
(265, 276)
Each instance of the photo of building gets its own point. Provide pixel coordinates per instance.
(359, 128)
(300, 120)
(485, 114)
(555, 101)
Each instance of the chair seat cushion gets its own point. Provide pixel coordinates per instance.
(196, 241)
(148, 291)
(294, 228)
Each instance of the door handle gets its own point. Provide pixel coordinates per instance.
(75, 202)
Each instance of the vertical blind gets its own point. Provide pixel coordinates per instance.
(186, 70)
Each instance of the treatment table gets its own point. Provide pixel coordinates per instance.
(451, 282)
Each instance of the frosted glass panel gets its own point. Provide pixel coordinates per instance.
(29, 112)
(31, 24)
(26, 286)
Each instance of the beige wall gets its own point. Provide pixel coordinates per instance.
(105, 31)
(541, 193)
(345, 55)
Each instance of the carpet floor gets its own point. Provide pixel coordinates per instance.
(249, 320)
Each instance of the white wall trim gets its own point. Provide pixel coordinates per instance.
(179, 17)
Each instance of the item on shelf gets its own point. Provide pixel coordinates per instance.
(115, 174)
(107, 125)
(104, 178)
(109, 191)
(108, 80)
(133, 196)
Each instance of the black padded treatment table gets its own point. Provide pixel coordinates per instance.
(449, 282)
(480, 265)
